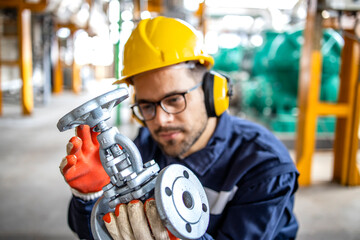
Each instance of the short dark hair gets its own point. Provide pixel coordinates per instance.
(197, 72)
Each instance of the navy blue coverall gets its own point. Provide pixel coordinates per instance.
(248, 176)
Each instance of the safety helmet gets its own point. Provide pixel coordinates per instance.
(161, 42)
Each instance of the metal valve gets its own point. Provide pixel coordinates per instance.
(179, 196)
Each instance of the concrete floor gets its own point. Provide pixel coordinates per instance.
(34, 196)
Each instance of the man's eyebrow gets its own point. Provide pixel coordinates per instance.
(166, 95)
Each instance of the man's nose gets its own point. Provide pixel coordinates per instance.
(161, 116)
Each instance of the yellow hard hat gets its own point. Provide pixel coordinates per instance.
(161, 42)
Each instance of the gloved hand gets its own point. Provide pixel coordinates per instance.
(82, 168)
(131, 222)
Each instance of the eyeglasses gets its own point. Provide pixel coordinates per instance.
(172, 104)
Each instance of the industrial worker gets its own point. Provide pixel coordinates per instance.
(247, 173)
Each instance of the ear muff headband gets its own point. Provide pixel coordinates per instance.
(217, 90)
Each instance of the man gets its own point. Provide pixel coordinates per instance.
(248, 175)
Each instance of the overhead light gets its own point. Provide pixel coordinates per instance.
(260, 4)
(63, 33)
(114, 11)
(82, 16)
(126, 15)
(211, 42)
(235, 22)
(325, 14)
(229, 40)
(145, 15)
(191, 5)
(32, 1)
(256, 40)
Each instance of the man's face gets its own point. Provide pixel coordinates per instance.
(175, 133)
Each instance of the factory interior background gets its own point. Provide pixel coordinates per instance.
(57, 54)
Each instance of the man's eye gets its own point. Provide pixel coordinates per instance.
(146, 107)
(173, 99)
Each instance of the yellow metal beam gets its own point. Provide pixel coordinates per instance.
(39, 6)
(309, 86)
(36, 7)
(25, 49)
(336, 109)
(200, 14)
(346, 140)
(0, 84)
(76, 78)
(76, 68)
(10, 63)
(13, 3)
(155, 6)
(58, 76)
(347, 109)
(354, 167)
(58, 71)
(25, 53)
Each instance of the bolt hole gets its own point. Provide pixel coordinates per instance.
(188, 227)
(168, 191)
(204, 207)
(186, 174)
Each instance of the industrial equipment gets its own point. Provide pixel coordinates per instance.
(270, 95)
(179, 195)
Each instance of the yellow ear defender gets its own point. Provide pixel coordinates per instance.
(217, 89)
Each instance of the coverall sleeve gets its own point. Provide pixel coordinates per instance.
(79, 217)
(261, 210)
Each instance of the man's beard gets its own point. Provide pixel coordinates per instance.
(173, 148)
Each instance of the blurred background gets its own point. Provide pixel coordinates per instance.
(294, 65)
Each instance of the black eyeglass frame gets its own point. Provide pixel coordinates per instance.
(155, 104)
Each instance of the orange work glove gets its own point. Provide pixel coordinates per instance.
(82, 168)
(136, 220)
